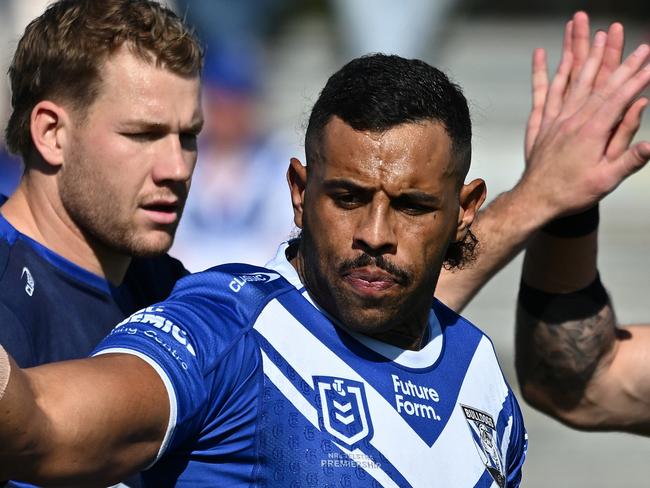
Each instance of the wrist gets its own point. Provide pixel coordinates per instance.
(534, 207)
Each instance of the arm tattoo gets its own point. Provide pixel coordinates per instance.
(563, 357)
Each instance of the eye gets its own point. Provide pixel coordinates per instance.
(188, 140)
(143, 136)
(347, 200)
(410, 207)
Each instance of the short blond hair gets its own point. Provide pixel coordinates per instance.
(61, 53)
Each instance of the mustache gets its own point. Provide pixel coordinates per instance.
(169, 192)
(401, 276)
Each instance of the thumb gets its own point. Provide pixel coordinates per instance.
(631, 161)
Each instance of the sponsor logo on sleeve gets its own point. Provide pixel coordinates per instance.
(29, 281)
(484, 434)
(150, 316)
(239, 281)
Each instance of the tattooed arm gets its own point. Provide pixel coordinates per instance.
(573, 361)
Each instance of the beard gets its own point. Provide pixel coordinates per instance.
(367, 316)
(105, 216)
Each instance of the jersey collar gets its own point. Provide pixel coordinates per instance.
(425, 357)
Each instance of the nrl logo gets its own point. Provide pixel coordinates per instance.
(343, 409)
(484, 433)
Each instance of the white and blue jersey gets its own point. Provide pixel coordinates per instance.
(266, 391)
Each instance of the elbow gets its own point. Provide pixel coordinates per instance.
(563, 401)
(571, 406)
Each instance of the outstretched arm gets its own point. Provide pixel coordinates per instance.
(568, 128)
(572, 360)
(92, 421)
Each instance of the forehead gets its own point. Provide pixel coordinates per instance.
(409, 155)
(133, 87)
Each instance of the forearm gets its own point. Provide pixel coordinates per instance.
(90, 421)
(567, 340)
(502, 230)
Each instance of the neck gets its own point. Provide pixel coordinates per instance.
(404, 337)
(36, 211)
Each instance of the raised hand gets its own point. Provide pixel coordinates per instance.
(578, 141)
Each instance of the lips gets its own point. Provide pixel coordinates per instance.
(162, 211)
(370, 281)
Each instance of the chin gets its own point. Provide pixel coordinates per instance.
(367, 323)
(150, 245)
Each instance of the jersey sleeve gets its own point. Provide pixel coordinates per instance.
(198, 342)
(518, 446)
(167, 337)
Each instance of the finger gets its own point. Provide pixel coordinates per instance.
(567, 41)
(626, 130)
(630, 68)
(539, 78)
(539, 91)
(580, 41)
(582, 86)
(555, 96)
(608, 105)
(613, 53)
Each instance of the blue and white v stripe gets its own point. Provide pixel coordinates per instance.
(443, 464)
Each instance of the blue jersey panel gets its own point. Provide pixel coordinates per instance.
(53, 310)
(266, 391)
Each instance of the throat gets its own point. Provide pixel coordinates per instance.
(403, 339)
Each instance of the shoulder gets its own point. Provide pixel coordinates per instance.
(457, 327)
(206, 312)
(471, 349)
(14, 332)
(232, 294)
(250, 286)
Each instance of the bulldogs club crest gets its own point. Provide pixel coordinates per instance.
(343, 409)
(484, 433)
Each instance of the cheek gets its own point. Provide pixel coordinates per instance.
(426, 241)
(327, 221)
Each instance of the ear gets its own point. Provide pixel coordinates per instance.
(49, 124)
(472, 196)
(297, 178)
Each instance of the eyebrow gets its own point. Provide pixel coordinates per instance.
(149, 126)
(413, 195)
(344, 184)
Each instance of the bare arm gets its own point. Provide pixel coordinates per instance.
(572, 360)
(92, 421)
(583, 370)
(502, 230)
(568, 161)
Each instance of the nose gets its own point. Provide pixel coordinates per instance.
(375, 232)
(174, 160)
